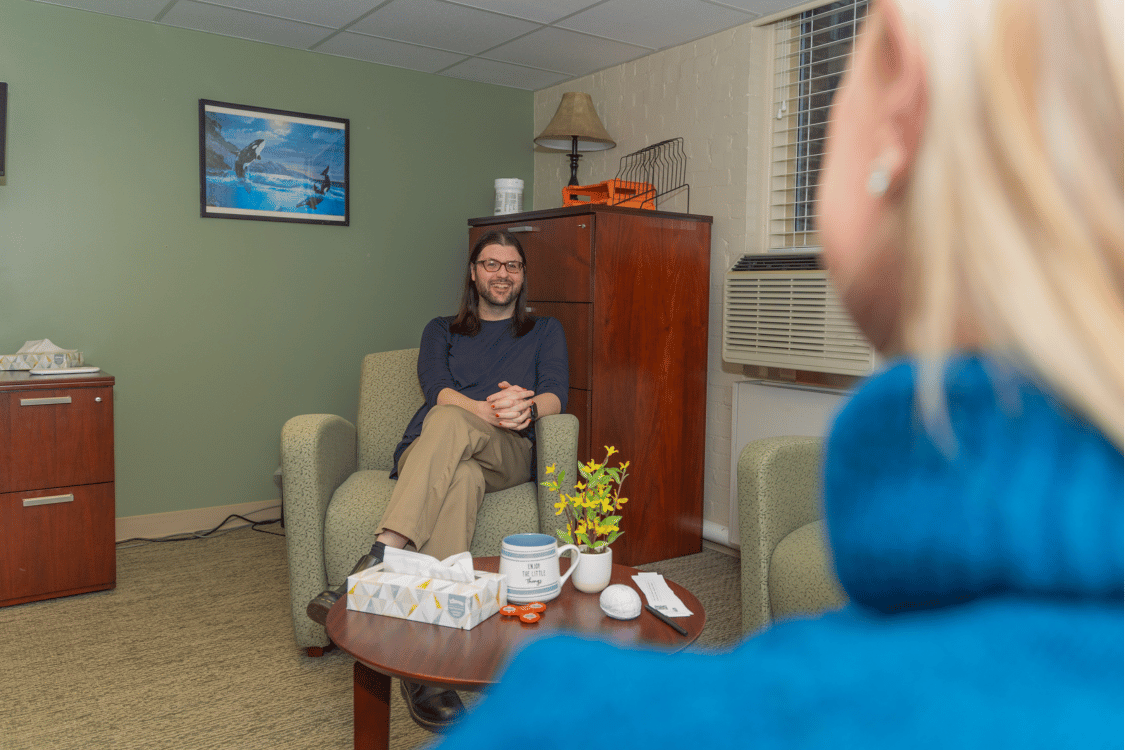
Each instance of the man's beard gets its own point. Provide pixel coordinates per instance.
(495, 298)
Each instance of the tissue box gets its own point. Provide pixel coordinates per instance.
(432, 600)
(49, 361)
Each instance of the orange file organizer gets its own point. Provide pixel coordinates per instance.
(611, 192)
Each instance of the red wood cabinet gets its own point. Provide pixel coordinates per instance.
(56, 486)
(631, 289)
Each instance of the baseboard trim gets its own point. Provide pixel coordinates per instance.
(716, 547)
(156, 525)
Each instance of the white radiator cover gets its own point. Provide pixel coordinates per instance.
(784, 313)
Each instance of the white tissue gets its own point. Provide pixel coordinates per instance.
(458, 568)
(43, 346)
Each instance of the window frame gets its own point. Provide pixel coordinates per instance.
(793, 150)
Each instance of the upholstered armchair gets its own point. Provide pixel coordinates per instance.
(786, 564)
(336, 484)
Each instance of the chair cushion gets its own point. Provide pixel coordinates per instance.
(357, 506)
(511, 511)
(801, 578)
(353, 514)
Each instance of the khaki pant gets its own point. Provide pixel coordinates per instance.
(443, 475)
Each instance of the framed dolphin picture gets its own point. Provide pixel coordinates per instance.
(272, 165)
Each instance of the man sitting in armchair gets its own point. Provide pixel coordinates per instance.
(474, 433)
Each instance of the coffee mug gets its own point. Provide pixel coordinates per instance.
(531, 562)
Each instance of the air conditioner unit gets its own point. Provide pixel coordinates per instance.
(779, 310)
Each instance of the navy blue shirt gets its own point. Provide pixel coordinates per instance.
(475, 365)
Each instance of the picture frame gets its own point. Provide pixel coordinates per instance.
(273, 165)
(3, 126)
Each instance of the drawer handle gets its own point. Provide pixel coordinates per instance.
(44, 401)
(49, 500)
(515, 230)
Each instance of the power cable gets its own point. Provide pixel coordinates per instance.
(211, 533)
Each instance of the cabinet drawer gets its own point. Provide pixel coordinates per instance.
(575, 320)
(558, 256)
(56, 438)
(56, 541)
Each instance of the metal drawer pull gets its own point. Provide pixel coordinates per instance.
(514, 230)
(49, 500)
(44, 401)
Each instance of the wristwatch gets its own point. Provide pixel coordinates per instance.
(534, 411)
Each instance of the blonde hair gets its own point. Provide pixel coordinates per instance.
(1014, 211)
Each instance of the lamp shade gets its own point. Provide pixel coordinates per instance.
(575, 118)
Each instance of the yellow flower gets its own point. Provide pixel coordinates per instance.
(606, 529)
(609, 451)
(550, 469)
(560, 506)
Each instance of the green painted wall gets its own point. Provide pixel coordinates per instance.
(219, 330)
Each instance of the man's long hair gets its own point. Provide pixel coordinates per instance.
(467, 322)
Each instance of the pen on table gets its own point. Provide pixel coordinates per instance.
(666, 619)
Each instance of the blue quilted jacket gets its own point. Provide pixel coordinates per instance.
(985, 580)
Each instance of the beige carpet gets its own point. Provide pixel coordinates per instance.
(194, 649)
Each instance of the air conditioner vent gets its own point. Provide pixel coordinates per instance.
(786, 262)
(781, 311)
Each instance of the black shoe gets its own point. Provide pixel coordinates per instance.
(435, 709)
(319, 606)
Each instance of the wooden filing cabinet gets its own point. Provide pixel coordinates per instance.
(631, 289)
(56, 486)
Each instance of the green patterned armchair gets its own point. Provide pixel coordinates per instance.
(336, 484)
(786, 563)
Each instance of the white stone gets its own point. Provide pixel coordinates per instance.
(620, 602)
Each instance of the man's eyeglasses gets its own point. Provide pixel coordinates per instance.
(492, 266)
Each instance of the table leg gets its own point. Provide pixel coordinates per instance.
(372, 708)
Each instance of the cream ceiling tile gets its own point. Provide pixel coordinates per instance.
(504, 74)
(565, 52)
(387, 52)
(237, 23)
(334, 14)
(533, 10)
(442, 25)
(759, 7)
(438, 35)
(655, 23)
(143, 10)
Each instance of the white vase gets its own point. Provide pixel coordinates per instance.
(594, 571)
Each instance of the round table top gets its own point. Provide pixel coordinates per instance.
(470, 659)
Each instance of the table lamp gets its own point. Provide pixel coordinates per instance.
(575, 126)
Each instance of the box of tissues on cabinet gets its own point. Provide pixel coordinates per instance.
(412, 586)
(40, 355)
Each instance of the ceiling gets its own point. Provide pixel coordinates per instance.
(523, 44)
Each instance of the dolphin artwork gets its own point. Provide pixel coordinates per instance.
(247, 155)
(312, 202)
(324, 185)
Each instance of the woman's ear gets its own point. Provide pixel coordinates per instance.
(900, 69)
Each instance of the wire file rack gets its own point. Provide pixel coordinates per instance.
(654, 172)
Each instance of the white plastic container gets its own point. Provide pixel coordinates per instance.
(509, 196)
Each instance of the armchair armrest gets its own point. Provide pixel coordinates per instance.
(318, 452)
(778, 492)
(556, 442)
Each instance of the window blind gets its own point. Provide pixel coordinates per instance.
(811, 52)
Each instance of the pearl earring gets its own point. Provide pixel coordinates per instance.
(878, 182)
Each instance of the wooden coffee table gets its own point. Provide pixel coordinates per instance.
(386, 647)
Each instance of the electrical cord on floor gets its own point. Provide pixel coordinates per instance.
(186, 537)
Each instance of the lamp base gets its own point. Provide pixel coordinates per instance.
(574, 157)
